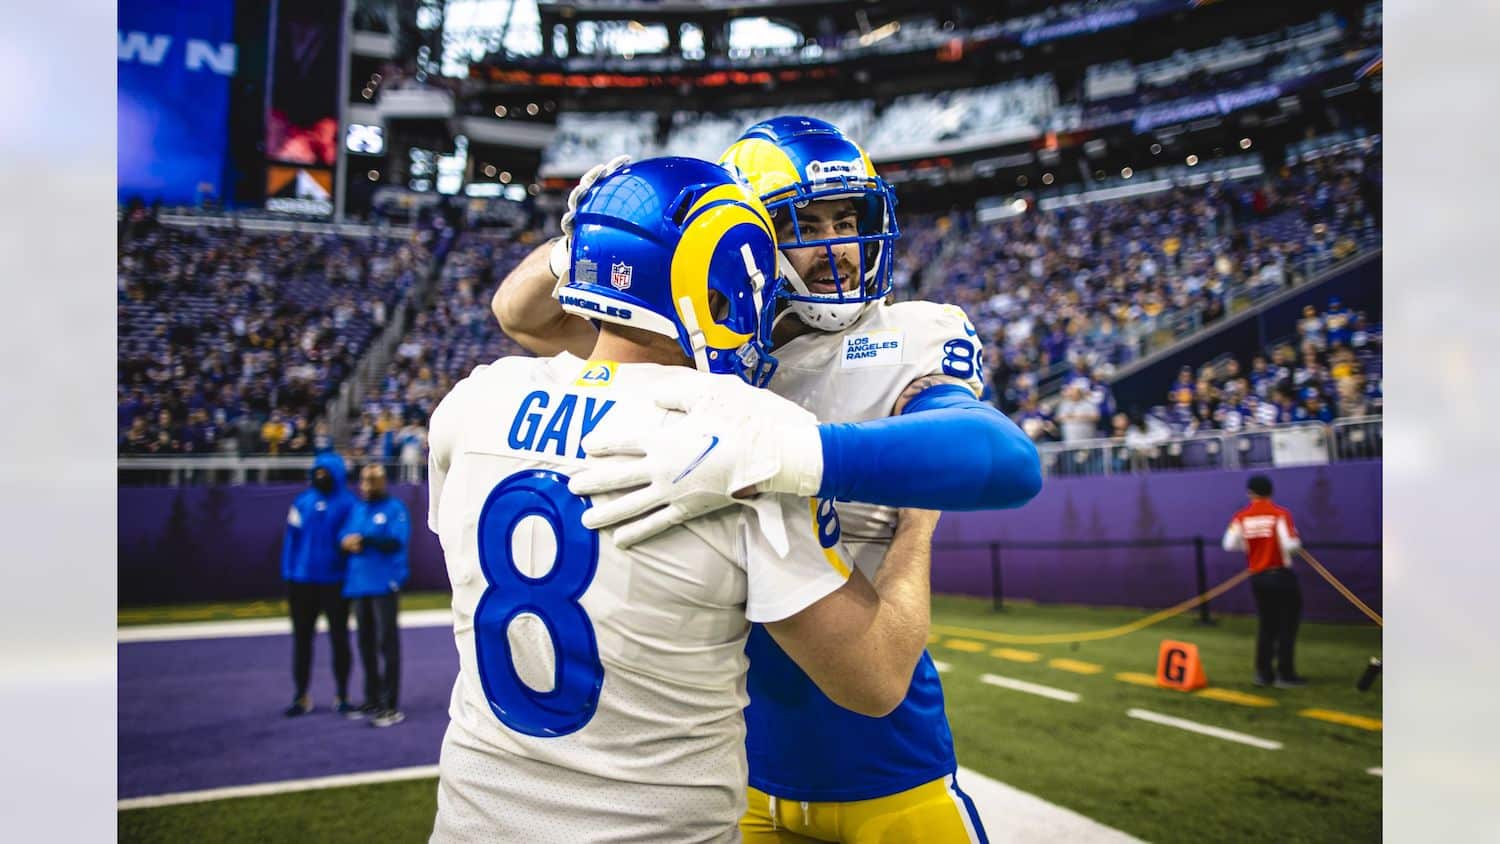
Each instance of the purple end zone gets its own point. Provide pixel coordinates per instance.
(206, 713)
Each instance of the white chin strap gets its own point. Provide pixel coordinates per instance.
(834, 315)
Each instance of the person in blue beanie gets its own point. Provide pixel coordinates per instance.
(375, 537)
(313, 568)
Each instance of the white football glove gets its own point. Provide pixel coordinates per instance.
(562, 248)
(726, 444)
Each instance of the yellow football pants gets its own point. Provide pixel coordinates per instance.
(934, 813)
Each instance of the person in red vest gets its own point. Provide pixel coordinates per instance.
(1266, 533)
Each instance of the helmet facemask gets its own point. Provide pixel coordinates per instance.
(859, 211)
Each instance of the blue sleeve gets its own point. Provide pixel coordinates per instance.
(288, 544)
(347, 524)
(288, 549)
(400, 529)
(946, 451)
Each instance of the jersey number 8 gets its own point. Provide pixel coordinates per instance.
(960, 359)
(553, 597)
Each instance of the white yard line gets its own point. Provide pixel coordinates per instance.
(1016, 817)
(1009, 814)
(264, 789)
(259, 627)
(940, 665)
(1375, 772)
(1030, 688)
(1203, 729)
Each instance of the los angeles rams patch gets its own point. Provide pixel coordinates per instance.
(873, 348)
(596, 373)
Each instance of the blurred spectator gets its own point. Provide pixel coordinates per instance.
(1077, 415)
(1144, 437)
(1313, 406)
(275, 432)
(1035, 422)
(412, 449)
(1310, 329)
(375, 537)
(314, 569)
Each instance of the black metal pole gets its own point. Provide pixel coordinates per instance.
(1198, 563)
(999, 596)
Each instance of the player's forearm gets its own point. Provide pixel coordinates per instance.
(946, 452)
(904, 584)
(860, 644)
(527, 312)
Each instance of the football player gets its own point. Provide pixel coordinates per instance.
(896, 387)
(600, 689)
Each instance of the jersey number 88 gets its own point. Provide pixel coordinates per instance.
(554, 598)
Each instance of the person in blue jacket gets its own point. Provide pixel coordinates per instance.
(375, 537)
(313, 567)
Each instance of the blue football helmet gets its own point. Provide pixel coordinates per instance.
(677, 247)
(790, 161)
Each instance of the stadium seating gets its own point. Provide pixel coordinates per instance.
(235, 341)
(1283, 54)
(991, 114)
(586, 139)
(1093, 284)
(443, 345)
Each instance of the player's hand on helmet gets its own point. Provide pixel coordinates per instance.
(724, 451)
(562, 248)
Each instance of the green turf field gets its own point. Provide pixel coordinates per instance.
(1152, 781)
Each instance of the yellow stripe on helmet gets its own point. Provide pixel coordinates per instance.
(735, 193)
(865, 157)
(768, 169)
(695, 251)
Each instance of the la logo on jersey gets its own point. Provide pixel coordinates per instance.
(873, 348)
(619, 275)
(596, 373)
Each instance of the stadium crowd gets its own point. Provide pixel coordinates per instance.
(1330, 370)
(233, 341)
(1083, 289)
(444, 344)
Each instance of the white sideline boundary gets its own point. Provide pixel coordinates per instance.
(1017, 817)
(1203, 729)
(265, 789)
(1030, 688)
(260, 627)
(1009, 814)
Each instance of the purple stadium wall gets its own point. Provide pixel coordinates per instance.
(1332, 504)
(224, 543)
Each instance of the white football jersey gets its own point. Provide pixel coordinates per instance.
(600, 691)
(857, 374)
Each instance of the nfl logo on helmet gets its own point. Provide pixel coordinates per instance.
(619, 275)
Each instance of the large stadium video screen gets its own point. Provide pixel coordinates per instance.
(303, 124)
(175, 62)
